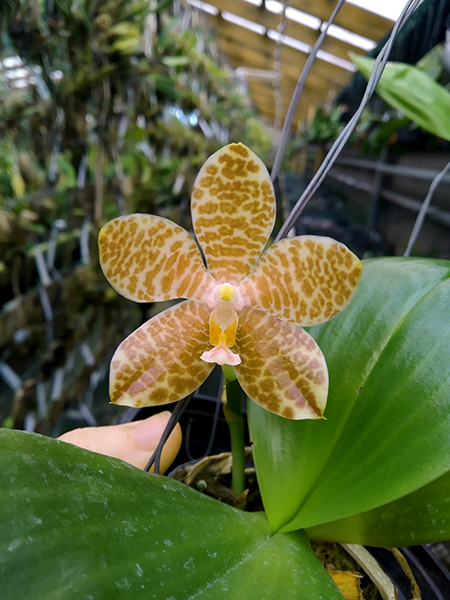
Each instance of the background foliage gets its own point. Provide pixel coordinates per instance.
(122, 103)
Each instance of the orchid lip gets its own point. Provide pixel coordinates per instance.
(221, 355)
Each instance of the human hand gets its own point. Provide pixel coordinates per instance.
(132, 442)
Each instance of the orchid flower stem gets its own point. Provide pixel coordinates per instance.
(233, 415)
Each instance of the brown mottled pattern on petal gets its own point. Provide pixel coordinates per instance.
(283, 369)
(160, 362)
(233, 211)
(147, 259)
(306, 280)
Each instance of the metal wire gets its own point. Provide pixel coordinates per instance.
(174, 418)
(338, 145)
(298, 92)
(424, 208)
(278, 94)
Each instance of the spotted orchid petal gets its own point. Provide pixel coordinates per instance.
(160, 362)
(148, 259)
(233, 211)
(305, 280)
(283, 369)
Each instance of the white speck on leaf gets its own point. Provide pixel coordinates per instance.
(14, 545)
(123, 584)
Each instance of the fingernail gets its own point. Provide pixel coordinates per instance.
(149, 431)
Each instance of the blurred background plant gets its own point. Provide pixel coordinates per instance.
(105, 108)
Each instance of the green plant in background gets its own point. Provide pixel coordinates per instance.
(314, 137)
(326, 125)
(123, 102)
(122, 108)
(417, 99)
(376, 471)
(415, 94)
(103, 74)
(413, 91)
(374, 132)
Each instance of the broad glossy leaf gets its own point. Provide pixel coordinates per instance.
(414, 519)
(412, 92)
(79, 526)
(388, 410)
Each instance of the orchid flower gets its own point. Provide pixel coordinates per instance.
(244, 310)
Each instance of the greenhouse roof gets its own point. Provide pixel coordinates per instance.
(269, 49)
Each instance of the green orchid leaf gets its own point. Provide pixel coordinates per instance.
(78, 525)
(412, 92)
(431, 63)
(388, 411)
(416, 518)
